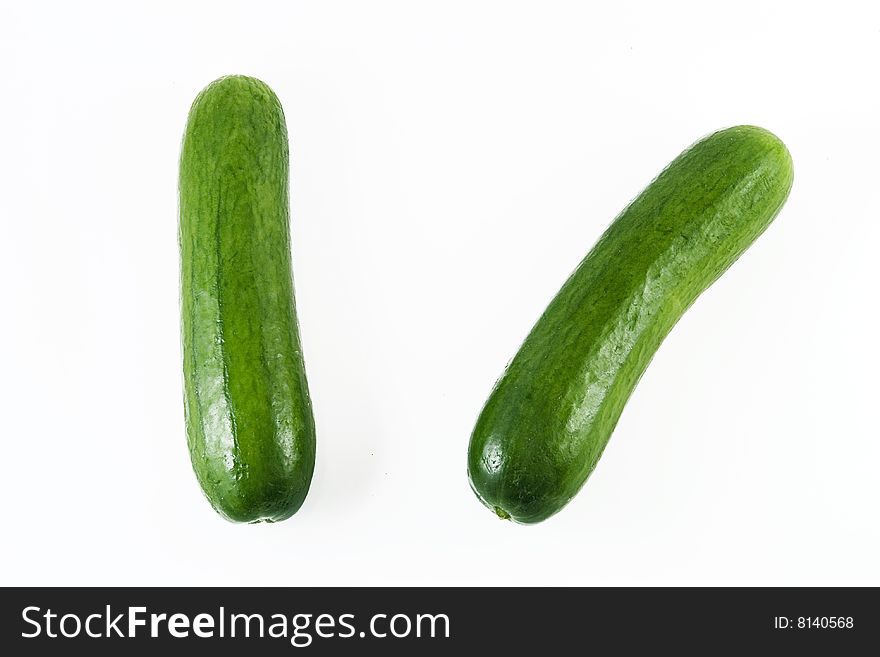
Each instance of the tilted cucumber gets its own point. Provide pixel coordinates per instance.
(552, 412)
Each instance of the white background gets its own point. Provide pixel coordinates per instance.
(452, 162)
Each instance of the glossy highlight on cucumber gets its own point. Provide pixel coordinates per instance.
(552, 412)
(249, 421)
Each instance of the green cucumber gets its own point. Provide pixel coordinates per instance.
(249, 419)
(552, 412)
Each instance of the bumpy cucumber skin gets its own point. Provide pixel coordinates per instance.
(248, 413)
(550, 415)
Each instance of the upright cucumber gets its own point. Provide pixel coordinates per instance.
(551, 414)
(248, 414)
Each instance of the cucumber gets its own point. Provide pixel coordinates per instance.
(249, 419)
(552, 412)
